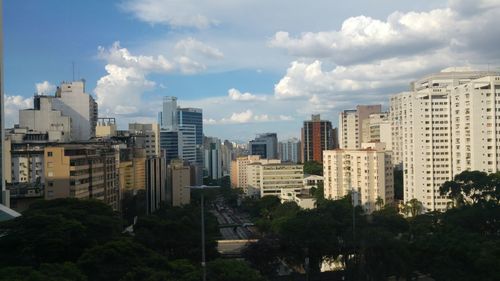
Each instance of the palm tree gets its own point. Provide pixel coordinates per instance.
(415, 207)
(379, 203)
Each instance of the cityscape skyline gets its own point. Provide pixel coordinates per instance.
(301, 69)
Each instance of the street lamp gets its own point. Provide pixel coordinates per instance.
(203, 260)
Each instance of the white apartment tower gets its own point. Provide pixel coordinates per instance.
(447, 124)
(367, 171)
(72, 101)
(351, 125)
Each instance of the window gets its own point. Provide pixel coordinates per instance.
(49, 154)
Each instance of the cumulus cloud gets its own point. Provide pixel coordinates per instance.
(12, 106)
(175, 13)
(193, 47)
(236, 95)
(364, 39)
(45, 88)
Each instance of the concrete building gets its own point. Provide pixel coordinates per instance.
(213, 158)
(106, 128)
(4, 196)
(156, 183)
(277, 176)
(239, 170)
(290, 151)
(445, 125)
(351, 125)
(317, 135)
(132, 169)
(265, 145)
(304, 201)
(377, 128)
(72, 100)
(146, 136)
(168, 116)
(42, 118)
(179, 180)
(367, 171)
(169, 142)
(82, 171)
(228, 155)
(312, 181)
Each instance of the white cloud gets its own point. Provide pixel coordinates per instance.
(45, 88)
(241, 117)
(12, 106)
(121, 57)
(364, 39)
(175, 13)
(236, 95)
(189, 66)
(192, 47)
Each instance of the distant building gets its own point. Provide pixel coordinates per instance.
(312, 181)
(289, 151)
(132, 169)
(179, 180)
(228, 155)
(277, 176)
(351, 125)
(317, 135)
(239, 170)
(156, 188)
(146, 136)
(44, 119)
(367, 171)
(106, 128)
(304, 201)
(265, 145)
(213, 158)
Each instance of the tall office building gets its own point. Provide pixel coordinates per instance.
(156, 183)
(367, 171)
(317, 135)
(213, 158)
(447, 124)
(168, 116)
(265, 145)
(289, 151)
(351, 125)
(228, 155)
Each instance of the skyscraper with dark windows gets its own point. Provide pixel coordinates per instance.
(265, 145)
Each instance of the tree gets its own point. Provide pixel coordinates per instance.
(54, 272)
(471, 187)
(231, 270)
(56, 231)
(379, 203)
(115, 259)
(413, 208)
(133, 205)
(264, 255)
(398, 184)
(313, 168)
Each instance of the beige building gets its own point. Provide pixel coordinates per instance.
(446, 125)
(146, 136)
(179, 180)
(367, 171)
(239, 170)
(132, 169)
(106, 128)
(270, 177)
(81, 171)
(304, 201)
(351, 125)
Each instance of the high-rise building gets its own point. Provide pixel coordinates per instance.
(146, 136)
(156, 188)
(239, 170)
(213, 158)
(82, 171)
(228, 155)
(132, 169)
(72, 100)
(289, 151)
(44, 119)
(351, 125)
(169, 142)
(265, 145)
(168, 116)
(377, 128)
(317, 135)
(179, 180)
(367, 171)
(447, 124)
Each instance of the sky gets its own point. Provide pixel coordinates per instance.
(253, 66)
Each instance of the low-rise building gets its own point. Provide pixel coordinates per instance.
(304, 201)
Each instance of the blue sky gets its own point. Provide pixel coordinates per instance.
(253, 66)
